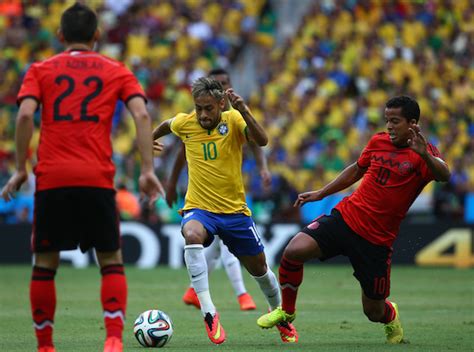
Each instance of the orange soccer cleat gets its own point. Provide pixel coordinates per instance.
(46, 349)
(214, 329)
(287, 332)
(113, 344)
(246, 302)
(190, 298)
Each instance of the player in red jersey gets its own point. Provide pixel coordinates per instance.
(395, 166)
(75, 197)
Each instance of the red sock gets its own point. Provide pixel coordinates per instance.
(43, 304)
(389, 313)
(113, 296)
(290, 276)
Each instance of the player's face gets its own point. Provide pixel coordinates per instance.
(208, 111)
(398, 126)
(223, 79)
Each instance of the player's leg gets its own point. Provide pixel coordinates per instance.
(43, 298)
(374, 309)
(313, 241)
(300, 249)
(242, 238)
(266, 279)
(101, 231)
(195, 226)
(113, 296)
(234, 273)
(51, 233)
(195, 235)
(212, 254)
(240, 235)
(385, 312)
(257, 267)
(372, 266)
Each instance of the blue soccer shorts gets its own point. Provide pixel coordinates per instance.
(238, 231)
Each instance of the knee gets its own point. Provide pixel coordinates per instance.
(291, 253)
(259, 268)
(295, 252)
(109, 258)
(255, 265)
(49, 260)
(192, 236)
(373, 314)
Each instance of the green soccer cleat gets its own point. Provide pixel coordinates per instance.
(276, 316)
(394, 330)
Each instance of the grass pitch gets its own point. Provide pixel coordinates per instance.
(436, 309)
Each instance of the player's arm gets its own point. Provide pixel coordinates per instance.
(148, 182)
(23, 134)
(418, 144)
(163, 129)
(256, 131)
(438, 167)
(261, 164)
(178, 165)
(346, 178)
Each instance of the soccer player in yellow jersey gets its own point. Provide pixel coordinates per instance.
(218, 250)
(215, 200)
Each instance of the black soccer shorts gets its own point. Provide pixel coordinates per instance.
(65, 218)
(371, 262)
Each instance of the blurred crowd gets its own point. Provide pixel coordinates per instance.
(320, 95)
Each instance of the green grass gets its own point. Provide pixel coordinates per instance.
(436, 308)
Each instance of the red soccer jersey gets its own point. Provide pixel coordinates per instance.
(394, 178)
(78, 91)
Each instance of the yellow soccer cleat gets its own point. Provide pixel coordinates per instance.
(276, 316)
(394, 330)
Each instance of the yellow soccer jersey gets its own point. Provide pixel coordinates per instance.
(214, 162)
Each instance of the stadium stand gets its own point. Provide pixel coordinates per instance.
(319, 94)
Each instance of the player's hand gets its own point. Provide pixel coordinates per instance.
(266, 178)
(236, 100)
(171, 195)
(14, 184)
(417, 142)
(307, 197)
(150, 187)
(158, 147)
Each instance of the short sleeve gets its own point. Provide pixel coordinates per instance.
(426, 172)
(364, 158)
(177, 123)
(130, 88)
(30, 88)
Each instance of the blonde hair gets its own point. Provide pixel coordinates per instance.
(207, 86)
